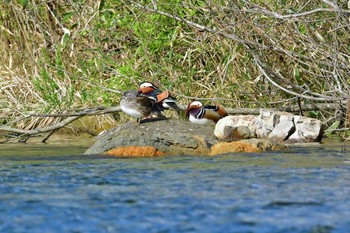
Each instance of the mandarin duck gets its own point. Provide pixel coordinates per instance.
(163, 98)
(199, 114)
(139, 106)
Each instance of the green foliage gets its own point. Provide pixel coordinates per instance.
(47, 87)
(70, 51)
(330, 129)
(23, 3)
(314, 114)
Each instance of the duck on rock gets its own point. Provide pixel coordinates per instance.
(163, 98)
(199, 114)
(135, 105)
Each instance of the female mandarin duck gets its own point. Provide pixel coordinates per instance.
(139, 106)
(200, 114)
(163, 98)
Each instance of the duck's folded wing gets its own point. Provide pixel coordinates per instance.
(212, 115)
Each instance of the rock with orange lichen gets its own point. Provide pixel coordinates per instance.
(171, 137)
(249, 145)
(135, 151)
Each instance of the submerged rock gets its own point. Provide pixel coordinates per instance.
(249, 145)
(139, 151)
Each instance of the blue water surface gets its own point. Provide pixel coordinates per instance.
(56, 189)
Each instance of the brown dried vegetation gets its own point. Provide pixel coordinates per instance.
(62, 55)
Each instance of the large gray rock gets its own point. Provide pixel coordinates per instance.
(238, 127)
(171, 137)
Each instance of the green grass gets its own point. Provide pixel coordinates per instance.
(117, 45)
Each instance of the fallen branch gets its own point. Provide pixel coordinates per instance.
(84, 112)
(244, 111)
(100, 110)
(40, 130)
(52, 128)
(294, 109)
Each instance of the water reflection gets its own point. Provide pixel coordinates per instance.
(58, 190)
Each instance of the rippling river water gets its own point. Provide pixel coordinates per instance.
(53, 188)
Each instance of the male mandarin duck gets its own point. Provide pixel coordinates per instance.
(200, 114)
(163, 98)
(139, 106)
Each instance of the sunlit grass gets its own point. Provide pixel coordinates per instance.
(61, 55)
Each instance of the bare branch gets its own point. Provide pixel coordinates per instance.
(70, 118)
(85, 112)
(270, 75)
(293, 16)
(88, 112)
(40, 130)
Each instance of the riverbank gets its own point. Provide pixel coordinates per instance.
(77, 135)
(82, 141)
(78, 67)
